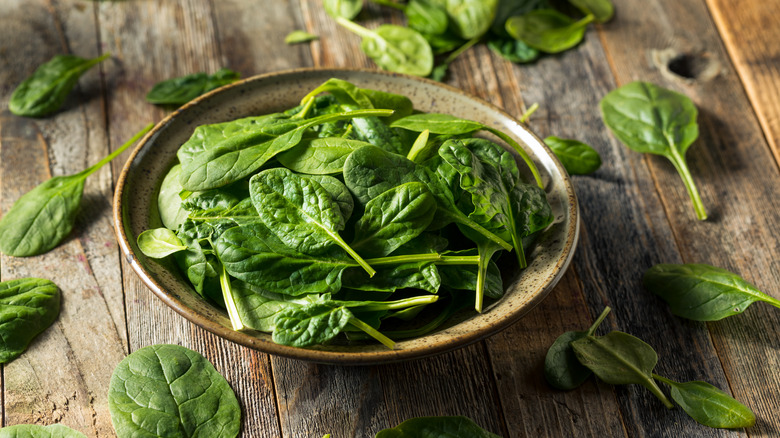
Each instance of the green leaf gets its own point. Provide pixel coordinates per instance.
(548, 30)
(426, 17)
(309, 325)
(620, 359)
(703, 292)
(320, 156)
(395, 48)
(577, 157)
(28, 306)
(709, 405)
(180, 90)
(513, 50)
(348, 9)
(38, 431)
(467, 277)
(300, 36)
(471, 18)
(258, 308)
(602, 10)
(562, 370)
(159, 242)
(653, 120)
(169, 202)
(46, 89)
(171, 391)
(436, 427)
(42, 217)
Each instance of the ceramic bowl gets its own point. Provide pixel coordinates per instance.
(136, 193)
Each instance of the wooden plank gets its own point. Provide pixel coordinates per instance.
(155, 41)
(750, 34)
(739, 182)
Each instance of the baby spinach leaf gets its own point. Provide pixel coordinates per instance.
(394, 48)
(309, 325)
(426, 17)
(348, 9)
(562, 370)
(548, 30)
(46, 89)
(470, 18)
(235, 157)
(159, 242)
(299, 36)
(38, 431)
(28, 306)
(467, 276)
(709, 405)
(436, 427)
(338, 191)
(394, 218)
(258, 308)
(180, 90)
(300, 212)
(602, 10)
(577, 157)
(653, 120)
(412, 275)
(172, 391)
(42, 217)
(620, 359)
(702, 292)
(320, 156)
(511, 8)
(513, 50)
(169, 202)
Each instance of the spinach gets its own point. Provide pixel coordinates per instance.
(159, 243)
(703, 292)
(709, 405)
(620, 359)
(169, 202)
(426, 17)
(547, 30)
(38, 431)
(394, 48)
(483, 277)
(577, 157)
(348, 9)
(562, 370)
(300, 212)
(42, 217)
(653, 120)
(513, 50)
(440, 71)
(258, 308)
(45, 90)
(602, 10)
(300, 36)
(435, 427)
(180, 90)
(27, 307)
(470, 18)
(228, 158)
(172, 391)
(320, 156)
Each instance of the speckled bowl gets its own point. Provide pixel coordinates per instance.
(135, 210)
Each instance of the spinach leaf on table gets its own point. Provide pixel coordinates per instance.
(562, 370)
(602, 10)
(702, 292)
(180, 90)
(28, 306)
(513, 50)
(577, 157)
(709, 405)
(46, 89)
(548, 30)
(348, 9)
(300, 36)
(435, 427)
(470, 18)
(653, 120)
(38, 431)
(42, 217)
(394, 48)
(426, 17)
(172, 391)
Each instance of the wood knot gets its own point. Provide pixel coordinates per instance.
(686, 67)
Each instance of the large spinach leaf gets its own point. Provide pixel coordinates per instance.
(653, 120)
(46, 89)
(28, 306)
(38, 431)
(42, 217)
(178, 91)
(577, 157)
(320, 156)
(171, 391)
(437, 427)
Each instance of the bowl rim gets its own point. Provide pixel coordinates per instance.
(326, 356)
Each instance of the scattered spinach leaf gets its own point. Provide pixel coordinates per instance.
(434, 427)
(470, 18)
(602, 10)
(28, 306)
(548, 30)
(513, 50)
(348, 9)
(702, 292)
(300, 36)
(46, 89)
(426, 17)
(172, 391)
(577, 157)
(38, 431)
(653, 120)
(42, 217)
(709, 405)
(180, 90)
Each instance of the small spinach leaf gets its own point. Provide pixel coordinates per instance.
(434, 427)
(548, 30)
(426, 17)
(178, 91)
(709, 405)
(46, 89)
(348, 9)
(27, 307)
(602, 10)
(470, 18)
(300, 36)
(172, 391)
(169, 202)
(702, 292)
(577, 157)
(42, 217)
(38, 431)
(653, 120)
(513, 50)
(561, 367)
(159, 242)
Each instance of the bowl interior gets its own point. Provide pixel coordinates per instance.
(135, 210)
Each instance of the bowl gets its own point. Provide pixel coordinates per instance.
(135, 210)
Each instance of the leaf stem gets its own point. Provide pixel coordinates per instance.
(356, 28)
(400, 304)
(523, 154)
(458, 260)
(409, 258)
(463, 219)
(90, 170)
(532, 109)
(682, 168)
(364, 264)
(598, 321)
(419, 145)
(230, 304)
(663, 398)
(374, 333)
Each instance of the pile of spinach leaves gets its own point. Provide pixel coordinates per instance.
(438, 31)
(346, 214)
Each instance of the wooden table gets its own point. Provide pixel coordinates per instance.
(635, 213)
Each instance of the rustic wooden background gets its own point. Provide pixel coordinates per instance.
(635, 213)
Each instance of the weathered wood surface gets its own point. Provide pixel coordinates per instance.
(635, 213)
